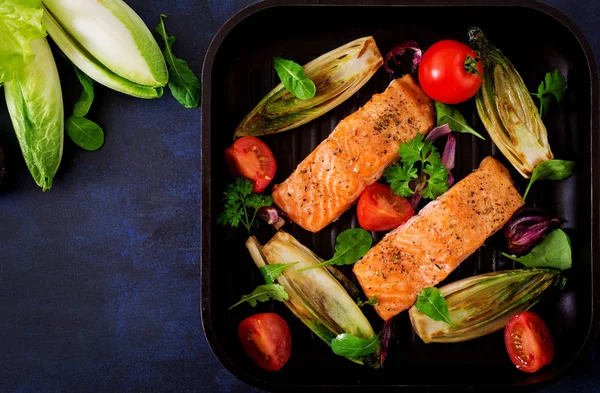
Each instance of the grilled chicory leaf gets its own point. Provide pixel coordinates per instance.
(337, 75)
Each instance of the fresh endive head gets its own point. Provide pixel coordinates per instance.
(109, 42)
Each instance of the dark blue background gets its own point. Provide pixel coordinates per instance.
(99, 277)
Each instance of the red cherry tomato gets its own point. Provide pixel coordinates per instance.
(443, 72)
(528, 342)
(379, 209)
(251, 158)
(266, 339)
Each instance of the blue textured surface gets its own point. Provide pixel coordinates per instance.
(99, 278)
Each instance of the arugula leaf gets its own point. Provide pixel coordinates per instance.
(348, 345)
(270, 272)
(550, 170)
(554, 84)
(85, 133)
(241, 204)
(431, 303)
(350, 246)
(437, 183)
(554, 251)
(455, 120)
(183, 83)
(293, 78)
(371, 302)
(84, 103)
(263, 293)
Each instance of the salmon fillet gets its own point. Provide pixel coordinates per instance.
(331, 178)
(423, 251)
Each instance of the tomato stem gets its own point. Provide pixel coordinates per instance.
(471, 65)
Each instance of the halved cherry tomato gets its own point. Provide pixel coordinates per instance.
(528, 341)
(447, 72)
(266, 339)
(251, 158)
(379, 209)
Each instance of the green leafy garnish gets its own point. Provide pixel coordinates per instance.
(418, 154)
(550, 170)
(431, 303)
(270, 272)
(554, 251)
(263, 293)
(183, 83)
(241, 204)
(84, 132)
(554, 84)
(455, 120)
(372, 301)
(350, 246)
(293, 78)
(348, 345)
(84, 103)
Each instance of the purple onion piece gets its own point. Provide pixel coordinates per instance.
(449, 154)
(438, 132)
(450, 179)
(526, 228)
(272, 216)
(414, 201)
(384, 340)
(399, 50)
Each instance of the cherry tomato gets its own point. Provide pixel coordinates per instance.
(444, 75)
(379, 209)
(266, 339)
(528, 342)
(251, 158)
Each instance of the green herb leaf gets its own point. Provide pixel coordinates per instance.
(350, 246)
(84, 103)
(550, 170)
(263, 293)
(241, 204)
(431, 303)
(455, 120)
(350, 346)
(183, 83)
(437, 183)
(399, 177)
(85, 133)
(293, 78)
(554, 251)
(270, 272)
(371, 302)
(554, 84)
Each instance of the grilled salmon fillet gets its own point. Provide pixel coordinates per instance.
(423, 251)
(330, 179)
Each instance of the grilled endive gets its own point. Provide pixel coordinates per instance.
(483, 304)
(507, 109)
(337, 75)
(315, 296)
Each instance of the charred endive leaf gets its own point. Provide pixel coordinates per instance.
(315, 296)
(337, 75)
(483, 304)
(507, 109)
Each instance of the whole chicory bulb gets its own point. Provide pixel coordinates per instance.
(526, 228)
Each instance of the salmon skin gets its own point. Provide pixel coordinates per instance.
(424, 250)
(331, 178)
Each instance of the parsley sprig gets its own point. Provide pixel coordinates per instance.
(418, 156)
(554, 84)
(241, 204)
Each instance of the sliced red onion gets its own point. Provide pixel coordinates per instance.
(399, 50)
(384, 340)
(438, 132)
(526, 228)
(272, 216)
(449, 154)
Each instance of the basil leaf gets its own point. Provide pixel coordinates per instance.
(371, 302)
(455, 120)
(554, 251)
(293, 78)
(350, 346)
(550, 170)
(263, 293)
(270, 272)
(350, 246)
(84, 103)
(85, 133)
(183, 83)
(431, 303)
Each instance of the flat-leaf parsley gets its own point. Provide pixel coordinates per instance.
(241, 204)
